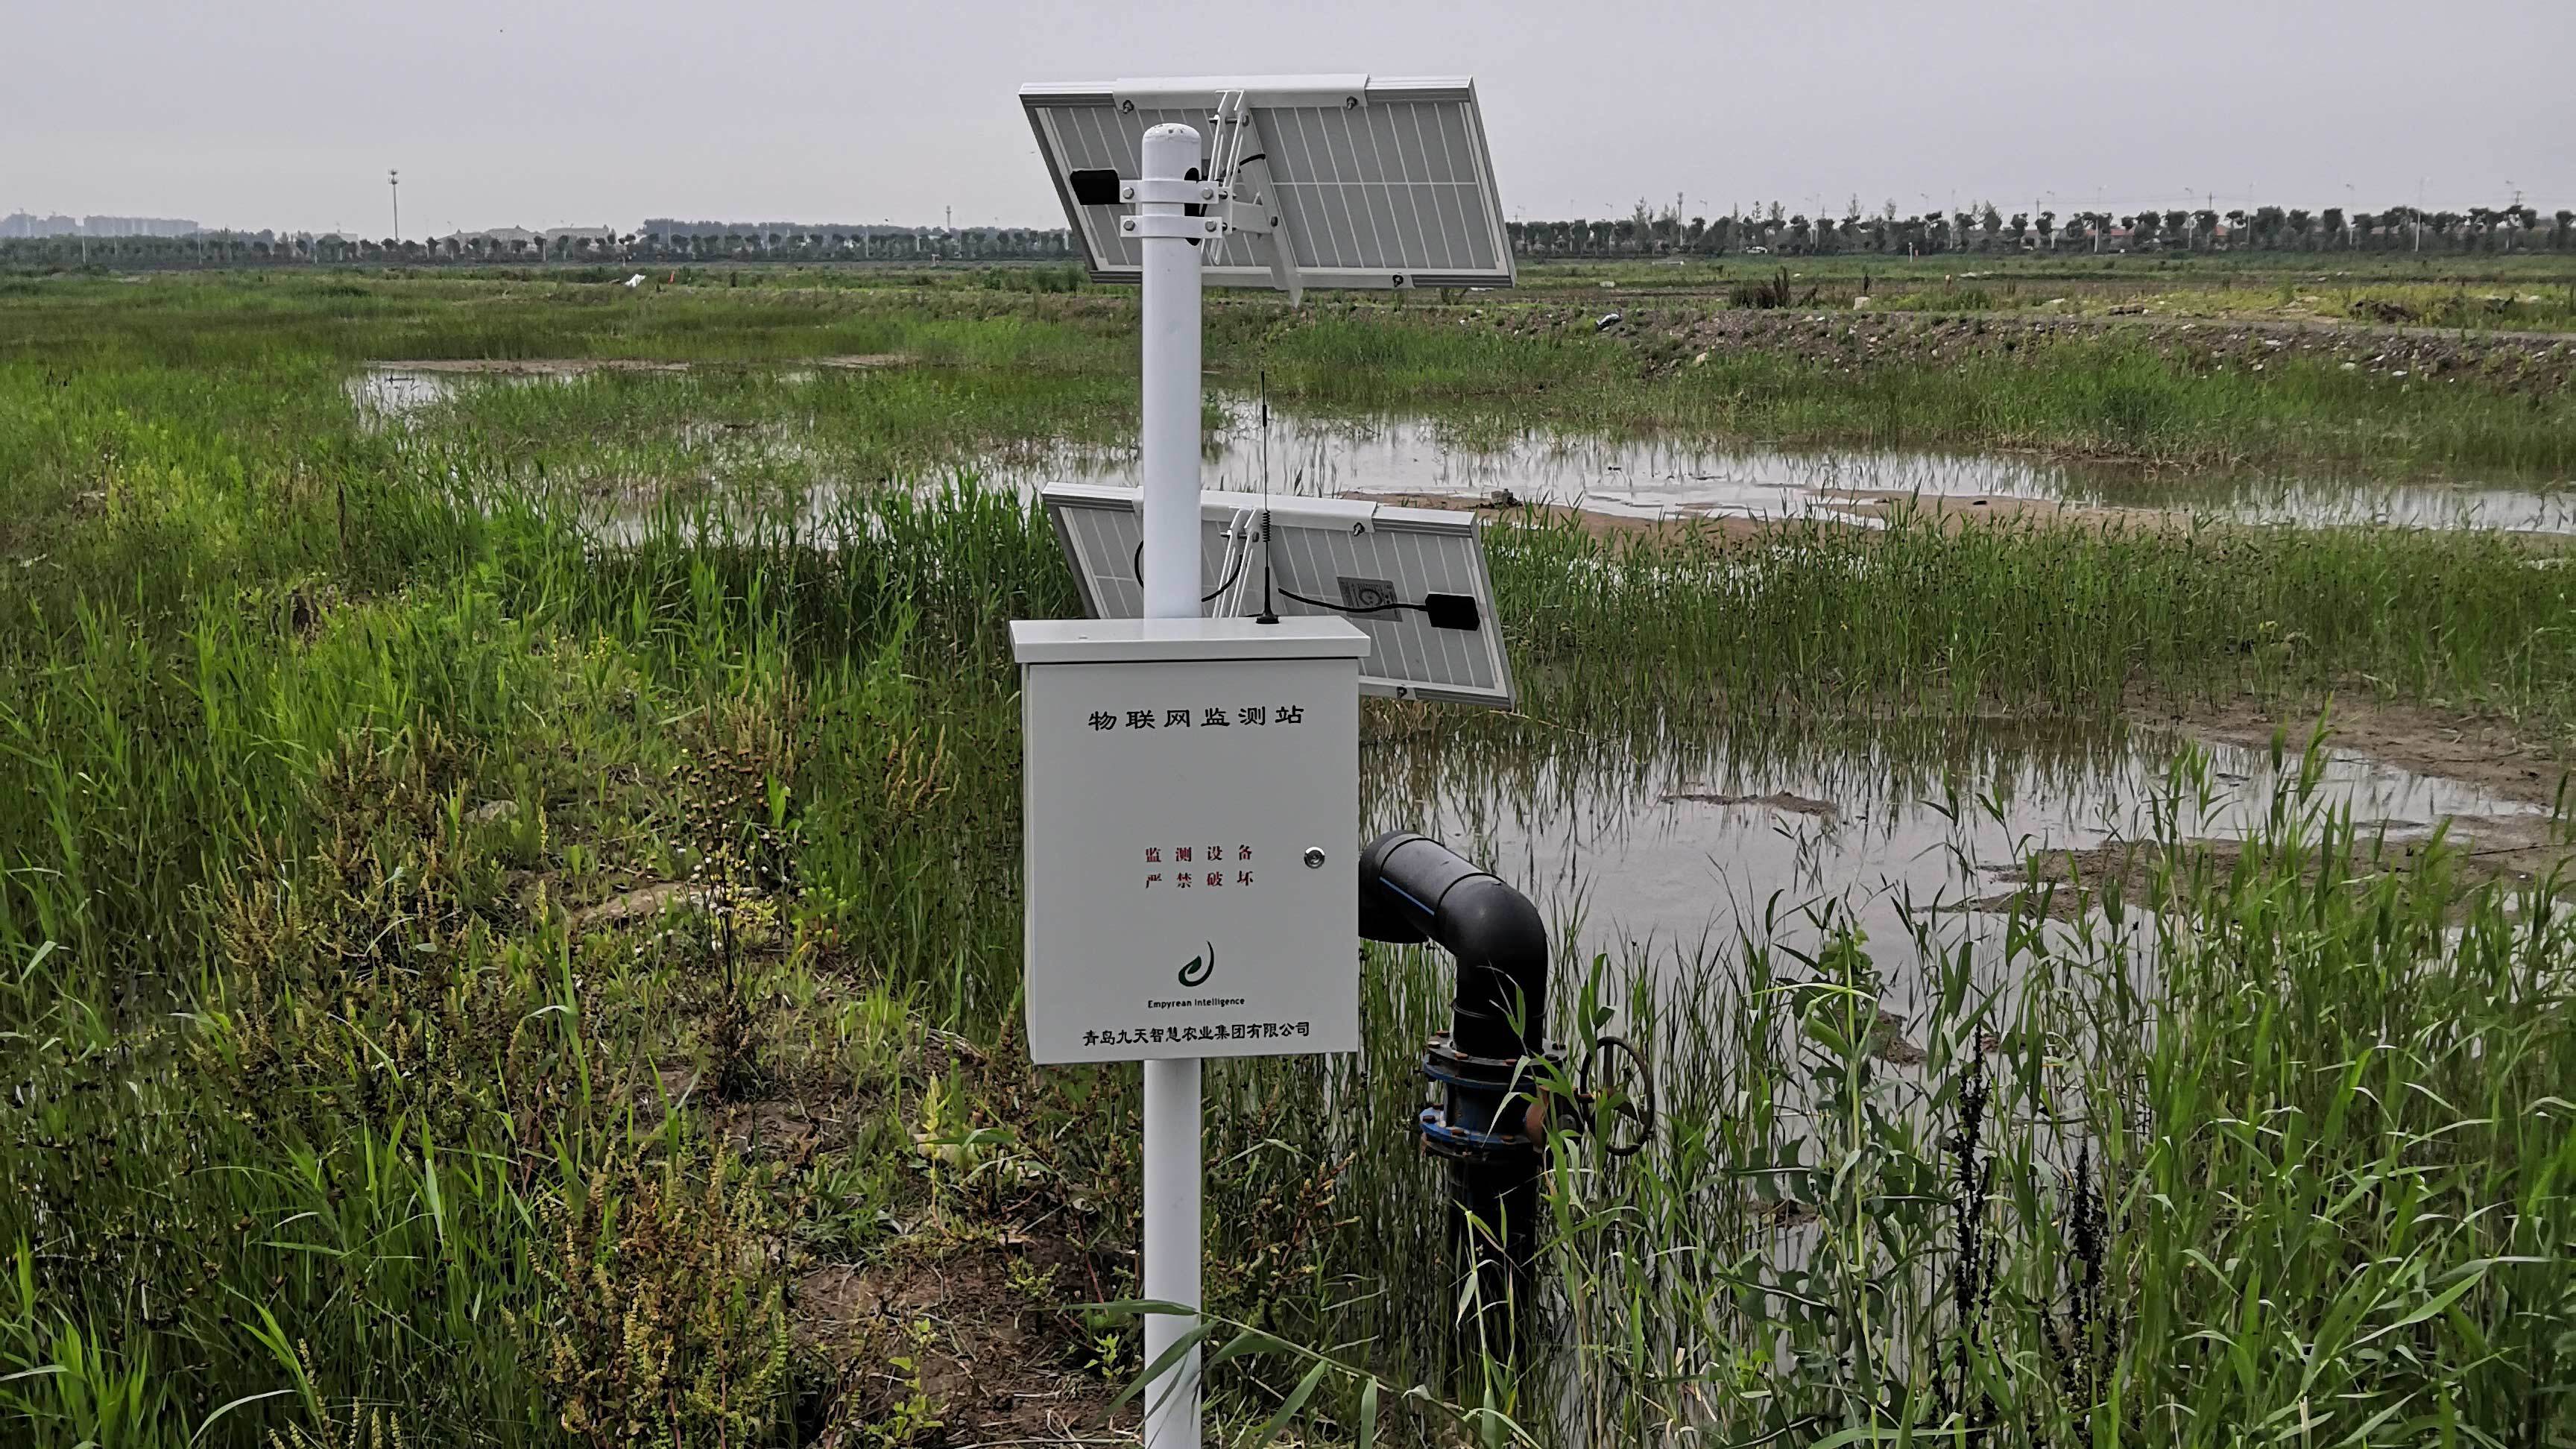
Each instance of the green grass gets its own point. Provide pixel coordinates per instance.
(998, 366)
(2131, 396)
(2306, 1182)
(333, 1101)
(1816, 620)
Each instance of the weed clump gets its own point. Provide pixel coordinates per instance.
(666, 1323)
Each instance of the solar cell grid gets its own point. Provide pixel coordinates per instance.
(1390, 186)
(1313, 546)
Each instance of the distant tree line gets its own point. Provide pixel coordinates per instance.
(662, 238)
(659, 240)
(1646, 232)
(1985, 228)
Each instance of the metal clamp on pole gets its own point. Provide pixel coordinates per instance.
(1167, 189)
(1247, 217)
(1183, 228)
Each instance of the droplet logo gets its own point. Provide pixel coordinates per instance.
(1200, 968)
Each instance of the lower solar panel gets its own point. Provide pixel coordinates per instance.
(1412, 579)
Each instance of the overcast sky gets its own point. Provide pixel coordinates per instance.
(532, 113)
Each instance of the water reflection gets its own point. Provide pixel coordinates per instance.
(1683, 847)
(1645, 477)
(1682, 857)
(1663, 477)
(385, 395)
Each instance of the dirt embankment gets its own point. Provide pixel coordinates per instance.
(955, 1345)
(1852, 507)
(577, 366)
(2511, 846)
(2491, 754)
(1674, 338)
(1502, 508)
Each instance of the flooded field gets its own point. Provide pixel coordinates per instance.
(1666, 855)
(1679, 478)
(1669, 850)
(391, 391)
(1426, 459)
(460, 963)
(1665, 850)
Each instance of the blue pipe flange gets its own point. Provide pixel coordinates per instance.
(1461, 1144)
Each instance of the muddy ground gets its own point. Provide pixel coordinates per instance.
(577, 366)
(1675, 337)
(949, 1344)
(1857, 507)
(2491, 754)
(2494, 754)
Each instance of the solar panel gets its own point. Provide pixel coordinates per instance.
(1323, 181)
(1412, 579)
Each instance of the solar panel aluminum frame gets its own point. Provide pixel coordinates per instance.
(1237, 592)
(1300, 148)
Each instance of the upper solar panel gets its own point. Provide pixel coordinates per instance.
(1338, 181)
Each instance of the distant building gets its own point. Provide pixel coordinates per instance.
(21, 224)
(501, 238)
(507, 241)
(138, 226)
(27, 224)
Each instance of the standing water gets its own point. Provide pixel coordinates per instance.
(1661, 477)
(1421, 458)
(1669, 852)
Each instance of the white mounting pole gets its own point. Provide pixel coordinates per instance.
(1170, 508)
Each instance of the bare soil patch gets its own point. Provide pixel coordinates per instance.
(943, 1334)
(645, 904)
(530, 366)
(2492, 754)
(1780, 800)
(2062, 884)
(1677, 338)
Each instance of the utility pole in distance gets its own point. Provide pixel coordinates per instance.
(393, 182)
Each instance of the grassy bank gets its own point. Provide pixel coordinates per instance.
(2478, 290)
(1009, 365)
(1817, 620)
(2314, 1156)
(464, 977)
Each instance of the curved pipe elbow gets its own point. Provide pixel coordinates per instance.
(1413, 888)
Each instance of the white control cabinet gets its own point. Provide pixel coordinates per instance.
(1191, 824)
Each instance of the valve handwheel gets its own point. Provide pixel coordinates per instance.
(1616, 1071)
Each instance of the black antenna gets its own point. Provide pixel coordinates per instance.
(1269, 615)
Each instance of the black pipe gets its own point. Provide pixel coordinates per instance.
(1488, 1123)
(1413, 888)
